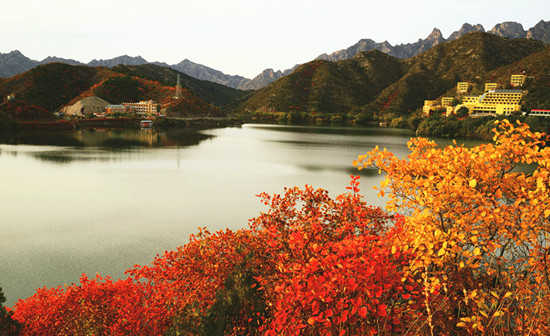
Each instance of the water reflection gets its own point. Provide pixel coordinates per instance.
(107, 138)
(102, 200)
(96, 144)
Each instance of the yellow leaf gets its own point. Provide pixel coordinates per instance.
(473, 183)
(477, 251)
(393, 250)
(546, 213)
(507, 295)
(441, 252)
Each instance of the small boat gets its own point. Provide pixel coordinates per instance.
(146, 124)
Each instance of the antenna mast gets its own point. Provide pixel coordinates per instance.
(178, 89)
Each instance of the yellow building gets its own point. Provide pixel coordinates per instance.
(428, 106)
(462, 87)
(517, 80)
(148, 107)
(490, 86)
(500, 102)
(446, 101)
(470, 100)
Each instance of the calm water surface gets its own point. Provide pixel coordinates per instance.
(100, 201)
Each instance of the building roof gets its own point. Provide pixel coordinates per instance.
(506, 91)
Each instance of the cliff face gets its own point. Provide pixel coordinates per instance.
(465, 29)
(509, 30)
(541, 31)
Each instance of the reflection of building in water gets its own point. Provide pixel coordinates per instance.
(142, 108)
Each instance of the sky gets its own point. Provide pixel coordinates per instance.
(237, 37)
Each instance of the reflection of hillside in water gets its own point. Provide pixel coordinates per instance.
(107, 138)
(126, 138)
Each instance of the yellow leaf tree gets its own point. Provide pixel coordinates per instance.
(480, 228)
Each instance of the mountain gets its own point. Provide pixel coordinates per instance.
(14, 63)
(465, 29)
(213, 93)
(53, 59)
(49, 87)
(205, 73)
(327, 87)
(377, 84)
(126, 60)
(541, 31)
(436, 71)
(512, 30)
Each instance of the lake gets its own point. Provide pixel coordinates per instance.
(100, 201)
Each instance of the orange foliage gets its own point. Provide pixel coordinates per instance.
(469, 257)
(479, 228)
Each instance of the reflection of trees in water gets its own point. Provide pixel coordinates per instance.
(127, 138)
(40, 139)
(107, 138)
(71, 145)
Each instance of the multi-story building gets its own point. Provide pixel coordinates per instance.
(462, 87)
(540, 113)
(429, 105)
(110, 109)
(446, 101)
(517, 80)
(470, 100)
(501, 102)
(490, 86)
(148, 107)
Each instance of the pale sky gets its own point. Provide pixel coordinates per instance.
(237, 37)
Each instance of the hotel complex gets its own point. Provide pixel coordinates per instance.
(142, 108)
(492, 102)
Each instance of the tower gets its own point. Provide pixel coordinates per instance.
(178, 89)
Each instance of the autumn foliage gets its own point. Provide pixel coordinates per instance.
(461, 250)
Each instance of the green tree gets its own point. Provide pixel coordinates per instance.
(8, 326)
(463, 111)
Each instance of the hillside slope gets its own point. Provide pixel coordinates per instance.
(217, 94)
(50, 87)
(327, 87)
(373, 83)
(436, 71)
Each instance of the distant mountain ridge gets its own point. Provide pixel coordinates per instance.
(541, 31)
(373, 85)
(15, 62)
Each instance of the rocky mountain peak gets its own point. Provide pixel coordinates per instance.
(121, 60)
(14, 63)
(509, 29)
(541, 31)
(435, 35)
(465, 29)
